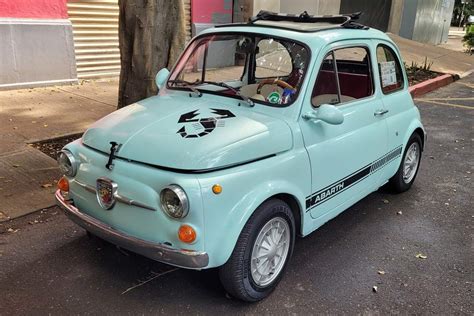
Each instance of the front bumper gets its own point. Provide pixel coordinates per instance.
(155, 251)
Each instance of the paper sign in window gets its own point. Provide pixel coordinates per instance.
(389, 75)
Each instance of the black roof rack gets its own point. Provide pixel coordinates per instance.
(341, 20)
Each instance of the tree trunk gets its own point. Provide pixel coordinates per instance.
(151, 37)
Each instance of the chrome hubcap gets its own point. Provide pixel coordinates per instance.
(270, 251)
(410, 164)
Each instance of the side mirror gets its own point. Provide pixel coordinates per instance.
(161, 78)
(327, 113)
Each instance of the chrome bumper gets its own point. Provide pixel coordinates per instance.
(155, 251)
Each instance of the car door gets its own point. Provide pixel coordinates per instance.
(343, 157)
(397, 101)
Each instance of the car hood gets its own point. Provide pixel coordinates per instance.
(186, 133)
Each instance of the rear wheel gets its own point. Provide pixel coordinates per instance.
(409, 166)
(261, 254)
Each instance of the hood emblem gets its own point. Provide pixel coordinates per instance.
(106, 189)
(114, 148)
(203, 126)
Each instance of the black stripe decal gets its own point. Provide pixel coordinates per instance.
(337, 187)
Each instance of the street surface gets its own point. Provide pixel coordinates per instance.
(416, 248)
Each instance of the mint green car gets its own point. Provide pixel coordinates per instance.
(261, 132)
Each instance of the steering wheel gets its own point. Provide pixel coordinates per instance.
(278, 82)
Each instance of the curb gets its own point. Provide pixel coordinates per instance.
(431, 84)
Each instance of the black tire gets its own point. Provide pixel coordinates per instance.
(235, 274)
(397, 182)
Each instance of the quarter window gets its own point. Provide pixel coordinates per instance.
(348, 78)
(390, 71)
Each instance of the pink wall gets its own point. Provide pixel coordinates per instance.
(211, 11)
(35, 9)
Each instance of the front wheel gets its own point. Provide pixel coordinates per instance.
(406, 174)
(261, 254)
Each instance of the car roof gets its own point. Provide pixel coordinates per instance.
(319, 37)
(309, 29)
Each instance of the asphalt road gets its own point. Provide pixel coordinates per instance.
(50, 266)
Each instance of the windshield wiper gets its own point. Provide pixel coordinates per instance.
(187, 85)
(236, 91)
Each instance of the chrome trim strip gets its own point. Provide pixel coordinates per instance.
(87, 187)
(125, 200)
(120, 198)
(156, 251)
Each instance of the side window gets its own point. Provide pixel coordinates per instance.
(391, 76)
(354, 73)
(272, 59)
(348, 78)
(326, 88)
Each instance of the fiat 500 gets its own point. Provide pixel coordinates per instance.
(261, 132)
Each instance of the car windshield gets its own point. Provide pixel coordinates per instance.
(251, 67)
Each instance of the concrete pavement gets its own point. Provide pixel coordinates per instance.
(444, 60)
(49, 266)
(27, 175)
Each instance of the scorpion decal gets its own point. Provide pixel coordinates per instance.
(206, 123)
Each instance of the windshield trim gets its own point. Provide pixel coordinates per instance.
(237, 97)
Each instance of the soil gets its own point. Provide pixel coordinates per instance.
(420, 75)
(52, 147)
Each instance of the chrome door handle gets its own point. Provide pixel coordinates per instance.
(380, 112)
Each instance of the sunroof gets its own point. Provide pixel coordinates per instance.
(303, 22)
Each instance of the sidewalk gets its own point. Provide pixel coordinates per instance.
(27, 175)
(444, 60)
(455, 40)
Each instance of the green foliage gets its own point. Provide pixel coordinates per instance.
(468, 40)
(414, 67)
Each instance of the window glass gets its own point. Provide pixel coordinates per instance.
(272, 59)
(241, 65)
(325, 90)
(223, 61)
(349, 78)
(353, 72)
(390, 71)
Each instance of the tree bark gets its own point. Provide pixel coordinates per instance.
(151, 37)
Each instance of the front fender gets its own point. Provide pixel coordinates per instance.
(244, 190)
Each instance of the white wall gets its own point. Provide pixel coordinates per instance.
(318, 7)
(269, 5)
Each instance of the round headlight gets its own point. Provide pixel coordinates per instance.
(67, 163)
(174, 201)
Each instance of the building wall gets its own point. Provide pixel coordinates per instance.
(36, 44)
(396, 13)
(426, 21)
(316, 7)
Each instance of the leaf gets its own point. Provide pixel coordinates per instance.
(385, 201)
(421, 256)
(47, 185)
(381, 272)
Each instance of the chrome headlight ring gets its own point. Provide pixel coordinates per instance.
(67, 163)
(174, 201)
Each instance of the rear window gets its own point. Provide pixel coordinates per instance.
(390, 71)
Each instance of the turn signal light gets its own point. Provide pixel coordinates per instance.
(217, 189)
(186, 234)
(63, 184)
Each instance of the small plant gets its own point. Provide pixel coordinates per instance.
(468, 41)
(414, 67)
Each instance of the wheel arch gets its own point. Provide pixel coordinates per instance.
(295, 207)
(422, 135)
